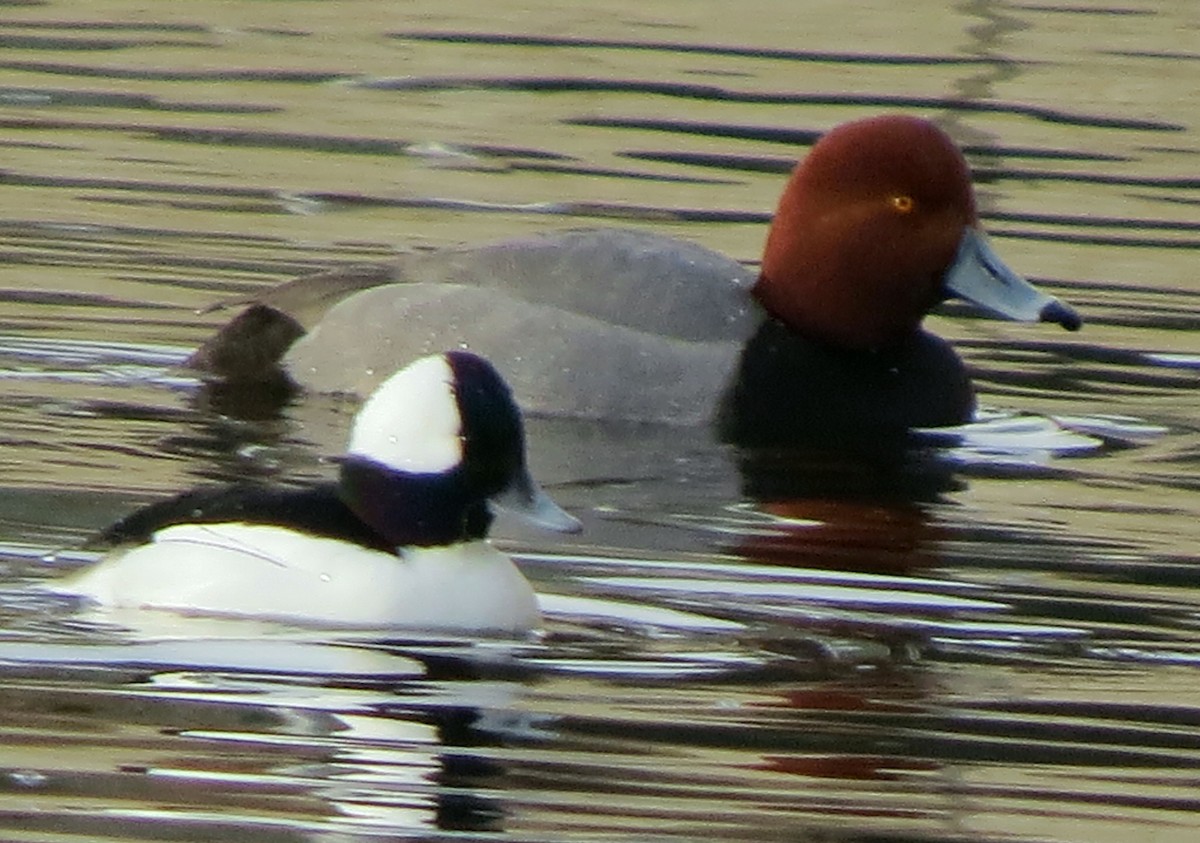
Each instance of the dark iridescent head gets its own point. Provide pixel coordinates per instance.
(434, 448)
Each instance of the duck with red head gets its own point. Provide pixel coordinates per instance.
(868, 235)
(876, 226)
(864, 233)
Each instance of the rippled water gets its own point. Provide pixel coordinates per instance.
(994, 637)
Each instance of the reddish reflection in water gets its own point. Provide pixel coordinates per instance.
(845, 535)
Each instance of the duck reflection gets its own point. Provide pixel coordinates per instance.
(225, 735)
(868, 745)
(864, 509)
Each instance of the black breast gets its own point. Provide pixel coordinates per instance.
(789, 389)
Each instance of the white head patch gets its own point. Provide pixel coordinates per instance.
(411, 422)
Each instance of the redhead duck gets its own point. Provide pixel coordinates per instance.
(398, 540)
(875, 227)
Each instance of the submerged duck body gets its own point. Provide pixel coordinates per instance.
(398, 540)
(876, 226)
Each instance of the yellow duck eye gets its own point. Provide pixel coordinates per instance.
(903, 204)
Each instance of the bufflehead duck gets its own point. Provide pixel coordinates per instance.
(398, 540)
(875, 227)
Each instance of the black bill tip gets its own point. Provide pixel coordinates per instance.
(1063, 314)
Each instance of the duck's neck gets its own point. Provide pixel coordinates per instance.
(413, 510)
